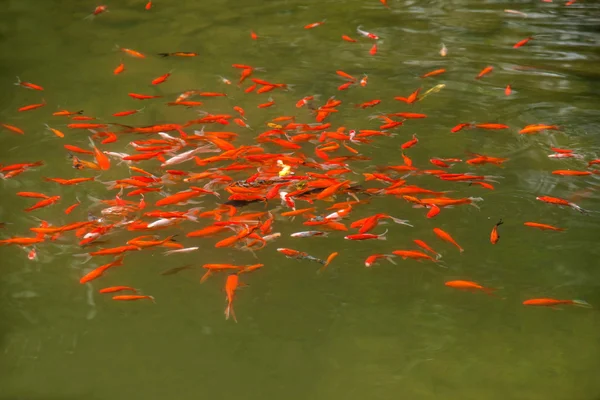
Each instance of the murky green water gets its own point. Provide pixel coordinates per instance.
(350, 333)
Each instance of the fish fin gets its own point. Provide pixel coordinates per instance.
(582, 303)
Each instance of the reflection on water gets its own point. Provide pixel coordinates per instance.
(388, 331)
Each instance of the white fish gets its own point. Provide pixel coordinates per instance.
(162, 222)
(443, 50)
(188, 155)
(185, 250)
(309, 234)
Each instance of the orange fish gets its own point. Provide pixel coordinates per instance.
(568, 172)
(484, 72)
(434, 73)
(132, 297)
(372, 259)
(114, 289)
(179, 54)
(559, 202)
(522, 42)
(543, 226)
(161, 79)
(231, 286)
(545, 302)
(314, 25)
(446, 236)
(13, 129)
(101, 158)
(494, 236)
(28, 85)
(32, 106)
(132, 53)
(43, 203)
(373, 50)
(468, 285)
(142, 96)
(120, 68)
(535, 128)
(491, 126)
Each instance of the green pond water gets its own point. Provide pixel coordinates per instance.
(389, 332)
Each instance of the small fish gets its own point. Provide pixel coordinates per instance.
(521, 43)
(113, 289)
(435, 72)
(179, 54)
(443, 50)
(133, 297)
(161, 79)
(546, 302)
(305, 234)
(373, 49)
(119, 69)
(314, 25)
(184, 250)
(28, 85)
(543, 226)
(366, 236)
(372, 259)
(366, 34)
(469, 285)
(494, 236)
(231, 286)
(32, 106)
(446, 236)
(484, 72)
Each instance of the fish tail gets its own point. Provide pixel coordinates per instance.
(229, 312)
(390, 258)
(582, 303)
(401, 221)
(382, 236)
(163, 54)
(500, 222)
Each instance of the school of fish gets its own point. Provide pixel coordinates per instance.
(205, 178)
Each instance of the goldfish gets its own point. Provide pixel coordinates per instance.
(560, 202)
(179, 54)
(443, 50)
(119, 69)
(446, 237)
(521, 43)
(133, 297)
(469, 285)
(494, 236)
(372, 259)
(14, 129)
(314, 25)
(231, 286)
(543, 226)
(366, 236)
(32, 106)
(484, 72)
(28, 85)
(546, 302)
(536, 128)
(435, 72)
